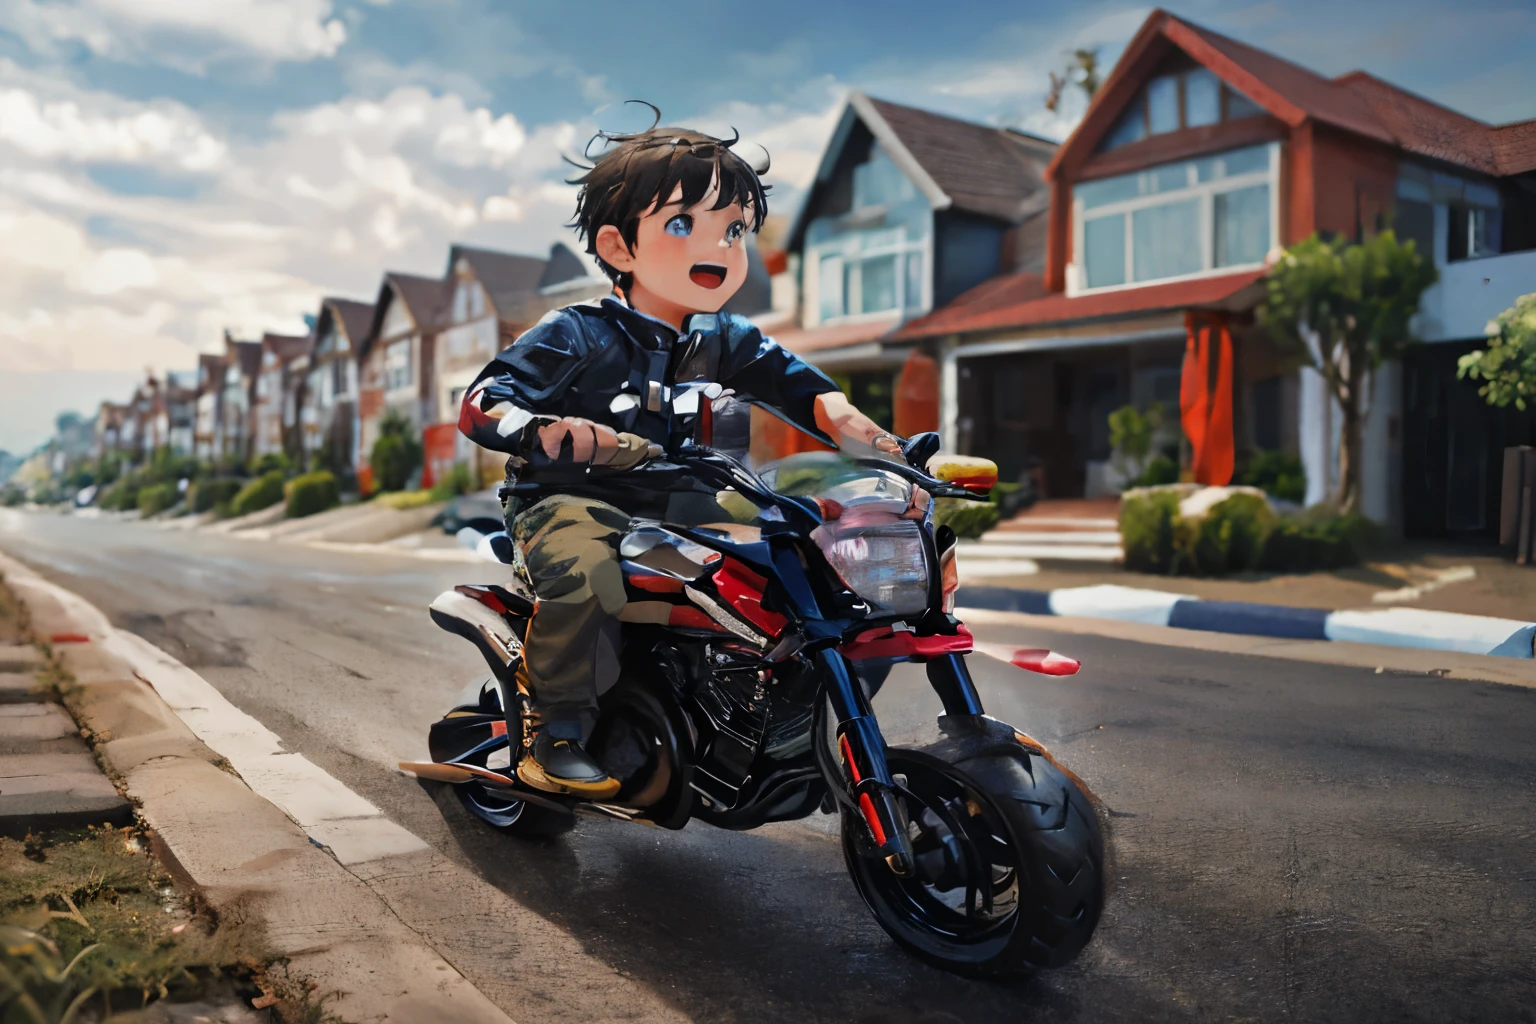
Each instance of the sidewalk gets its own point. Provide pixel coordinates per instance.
(1430, 597)
(48, 778)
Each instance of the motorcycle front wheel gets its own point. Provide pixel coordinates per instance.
(1009, 873)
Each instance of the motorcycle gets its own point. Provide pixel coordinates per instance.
(749, 658)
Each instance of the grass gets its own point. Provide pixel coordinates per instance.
(403, 500)
(90, 920)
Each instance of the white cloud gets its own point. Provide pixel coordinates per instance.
(190, 34)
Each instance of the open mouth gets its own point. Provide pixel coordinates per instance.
(707, 275)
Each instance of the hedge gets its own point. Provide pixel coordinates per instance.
(157, 498)
(263, 492)
(1239, 534)
(969, 519)
(207, 495)
(311, 493)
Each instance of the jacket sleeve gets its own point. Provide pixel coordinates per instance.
(768, 375)
(523, 386)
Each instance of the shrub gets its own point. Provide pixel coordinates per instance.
(272, 461)
(455, 483)
(1319, 538)
(123, 496)
(157, 498)
(969, 519)
(263, 492)
(207, 495)
(1277, 474)
(1161, 470)
(311, 493)
(402, 500)
(396, 454)
(12, 495)
(1146, 530)
(1229, 538)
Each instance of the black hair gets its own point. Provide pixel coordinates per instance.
(640, 171)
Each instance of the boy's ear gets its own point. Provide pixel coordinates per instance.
(612, 250)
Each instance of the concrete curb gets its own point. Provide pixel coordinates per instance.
(1390, 627)
(239, 849)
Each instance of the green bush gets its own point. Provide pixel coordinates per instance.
(12, 495)
(207, 495)
(1161, 470)
(455, 483)
(263, 492)
(1277, 474)
(1318, 538)
(123, 496)
(157, 498)
(396, 454)
(969, 519)
(261, 465)
(1239, 534)
(311, 493)
(1147, 530)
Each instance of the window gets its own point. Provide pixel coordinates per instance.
(1189, 99)
(1178, 220)
(397, 365)
(869, 273)
(1474, 212)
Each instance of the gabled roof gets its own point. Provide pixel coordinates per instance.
(1356, 102)
(286, 346)
(507, 277)
(956, 164)
(425, 299)
(249, 355)
(355, 318)
(1023, 300)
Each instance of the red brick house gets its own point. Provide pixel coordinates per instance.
(1199, 159)
(322, 386)
(270, 414)
(396, 359)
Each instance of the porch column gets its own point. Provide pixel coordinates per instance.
(949, 392)
(1318, 426)
(1381, 450)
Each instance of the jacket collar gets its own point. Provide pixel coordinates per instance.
(646, 329)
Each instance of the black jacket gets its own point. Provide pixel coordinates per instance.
(608, 363)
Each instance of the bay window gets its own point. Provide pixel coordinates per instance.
(1202, 216)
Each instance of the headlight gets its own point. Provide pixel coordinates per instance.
(880, 557)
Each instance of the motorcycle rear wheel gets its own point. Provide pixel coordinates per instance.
(1010, 859)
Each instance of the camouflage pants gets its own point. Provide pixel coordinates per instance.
(571, 549)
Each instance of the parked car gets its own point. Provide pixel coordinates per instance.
(480, 511)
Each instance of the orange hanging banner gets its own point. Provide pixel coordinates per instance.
(1206, 411)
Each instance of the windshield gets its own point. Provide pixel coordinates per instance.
(834, 476)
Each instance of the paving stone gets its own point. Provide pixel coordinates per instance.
(20, 658)
(33, 728)
(39, 792)
(18, 688)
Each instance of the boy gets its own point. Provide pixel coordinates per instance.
(666, 212)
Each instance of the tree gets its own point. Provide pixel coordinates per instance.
(1344, 309)
(1508, 364)
(1082, 71)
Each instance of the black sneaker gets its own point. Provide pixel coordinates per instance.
(560, 766)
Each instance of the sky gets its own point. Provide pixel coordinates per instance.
(170, 169)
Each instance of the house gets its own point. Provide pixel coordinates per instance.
(207, 438)
(272, 412)
(495, 297)
(396, 359)
(237, 396)
(908, 210)
(1198, 160)
(181, 412)
(322, 386)
(108, 428)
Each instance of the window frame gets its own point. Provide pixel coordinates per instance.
(837, 249)
(398, 345)
(1205, 193)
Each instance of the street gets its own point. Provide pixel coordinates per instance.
(1290, 841)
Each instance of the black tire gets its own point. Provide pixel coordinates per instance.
(510, 816)
(1020, 822)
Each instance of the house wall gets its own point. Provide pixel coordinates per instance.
(1355, 184)
(967, 250)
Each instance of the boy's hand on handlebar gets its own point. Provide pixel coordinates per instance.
(591, 443)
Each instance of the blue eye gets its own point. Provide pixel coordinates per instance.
(735, 231)
(681, 226)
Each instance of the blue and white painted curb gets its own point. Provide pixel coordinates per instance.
(1391, 627)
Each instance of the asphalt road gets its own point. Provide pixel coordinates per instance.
(1292, 841)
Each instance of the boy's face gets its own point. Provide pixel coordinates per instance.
(693, 259)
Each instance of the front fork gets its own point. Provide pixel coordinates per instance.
(861, 747)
